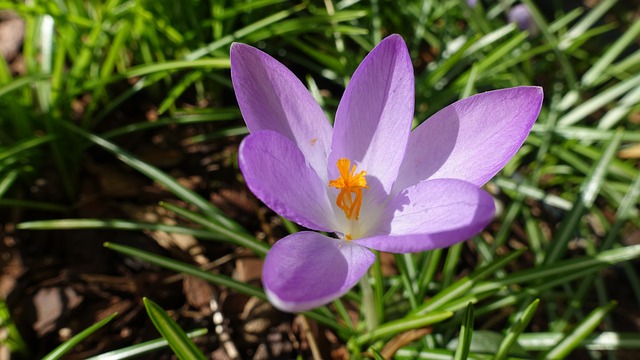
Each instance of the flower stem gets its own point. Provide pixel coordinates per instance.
(368, 304)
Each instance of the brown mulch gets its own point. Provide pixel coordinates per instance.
(58, 283)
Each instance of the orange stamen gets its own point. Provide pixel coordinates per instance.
(350, 184)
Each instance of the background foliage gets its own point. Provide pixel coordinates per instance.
(95, 78)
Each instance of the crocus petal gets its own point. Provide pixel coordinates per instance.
(471, 139)
(432, 214)
(272, 98)
(276, 172)
(374, 116)
(307, 270)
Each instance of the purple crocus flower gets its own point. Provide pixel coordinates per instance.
(369, 179)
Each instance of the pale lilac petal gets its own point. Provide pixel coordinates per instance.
(306, 270)
(272, 98)
(276, 172)
(432, 214)
(473, 138)
(374, 116)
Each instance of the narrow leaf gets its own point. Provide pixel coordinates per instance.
(515, 330)
(573, 339)
(466, 333)
(65, 347)
(179, 342)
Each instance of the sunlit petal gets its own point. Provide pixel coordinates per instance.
(307, 270)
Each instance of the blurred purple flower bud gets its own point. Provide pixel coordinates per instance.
(521, 16)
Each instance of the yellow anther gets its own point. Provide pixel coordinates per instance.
(350, 184)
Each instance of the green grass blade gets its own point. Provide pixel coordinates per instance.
(58, 352)
(451, 264)
(24, 146)
(534, 193)
(586, 23)
(466, 334)
(189, 269)
(474, 297)
(622, 216)
(161, 177)
(11, 338)
(540, 21)
(392, 328)
(546, 277)
(240, 238)
(7, 180)
(490, 39)
(43, 88)
(107, 67)
(536, 238)
(500, 52)
(220, 114)
(447, 64)
(408, 353)
(116, 224)
(217, 279)
(22, 81)
(622, 69)
(462, 286)
(591, 188)
(516, 329)
(179, 342)
(406, 275)
(622, 108)
(507, 299)
(178, 89)
(222, 133)
(561, 268)
(378, 288)
(586, 133)
(430, 266)
(573, 339)
(614, 51)
(623, 213)
(597, 102)
(142, 348)
(600, 341)
(153, 69)
(565, 20)
(241, 8)
(30, 204)
(239, 34)
(83, 61)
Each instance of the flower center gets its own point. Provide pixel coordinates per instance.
(350, 185)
